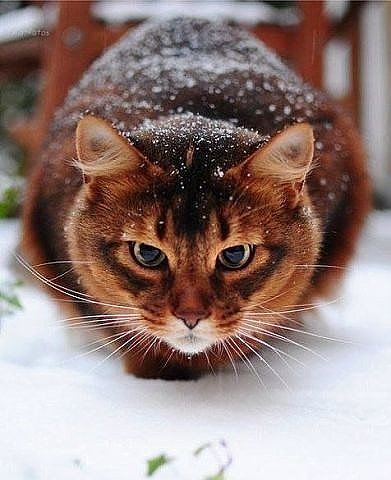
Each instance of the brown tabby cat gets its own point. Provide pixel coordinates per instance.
(189, 192)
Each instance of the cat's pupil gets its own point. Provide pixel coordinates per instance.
(235, 257)
(234, 254)
(148, 255)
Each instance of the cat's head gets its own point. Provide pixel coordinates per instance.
(196, 225)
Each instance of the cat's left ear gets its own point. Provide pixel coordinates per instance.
(103, 152)
(286, 160)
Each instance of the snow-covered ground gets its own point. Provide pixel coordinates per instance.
(65, 417)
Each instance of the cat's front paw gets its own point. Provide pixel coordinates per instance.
(154, 368)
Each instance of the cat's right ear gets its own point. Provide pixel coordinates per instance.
(103, 152)
(286, 160)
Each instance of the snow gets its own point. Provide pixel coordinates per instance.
(31, 21)
(20, 23)
(67, 416)
(189, 65)
(249, 13)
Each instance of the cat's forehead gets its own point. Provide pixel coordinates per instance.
(193, 219)
(196, 153)
(190, 142)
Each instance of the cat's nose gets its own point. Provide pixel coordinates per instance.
(191, 318)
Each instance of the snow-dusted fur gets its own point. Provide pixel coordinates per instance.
(196, 100)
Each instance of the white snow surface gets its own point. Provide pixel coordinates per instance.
(66, 416)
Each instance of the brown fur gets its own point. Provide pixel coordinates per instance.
(193, 184)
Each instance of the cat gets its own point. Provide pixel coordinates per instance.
(189, 195)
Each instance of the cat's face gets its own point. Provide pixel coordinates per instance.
(196, 252)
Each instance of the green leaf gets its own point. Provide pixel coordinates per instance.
(218, 476)
(155, 463)
(200, 449)
(9, 202)
(8, 297)
(12, 300)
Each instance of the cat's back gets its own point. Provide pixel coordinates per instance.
(203, 68)
(192, 65)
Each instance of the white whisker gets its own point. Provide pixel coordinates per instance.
(100, 340)
(100, 315)
(153, 342)
(278, 351)
(209, 364)
(312, 307)
(338, 267)
(99, 326)
(55, 262)
(61, 275)
(247, 362)
(66, 291)
(230, 358)
(168, 360)
(263, 361)
(251, 328)
(123, 344)
(303, 332)
(144, 335)
(46, 281)
(83, 354)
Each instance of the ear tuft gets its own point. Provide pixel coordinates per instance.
(101, 151)
(287, 157)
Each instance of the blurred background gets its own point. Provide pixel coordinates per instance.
(343, 47)
(66, 413)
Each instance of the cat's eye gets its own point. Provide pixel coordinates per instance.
(235, 257)
(147, 255)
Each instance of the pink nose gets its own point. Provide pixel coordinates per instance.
(191, 318)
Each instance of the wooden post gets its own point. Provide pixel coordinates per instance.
(309, 41)
(74, 46)
(354, 37)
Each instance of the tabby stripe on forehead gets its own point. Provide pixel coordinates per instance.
(131, 280)
(161, 226)
(224, 227)
(250, 284)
